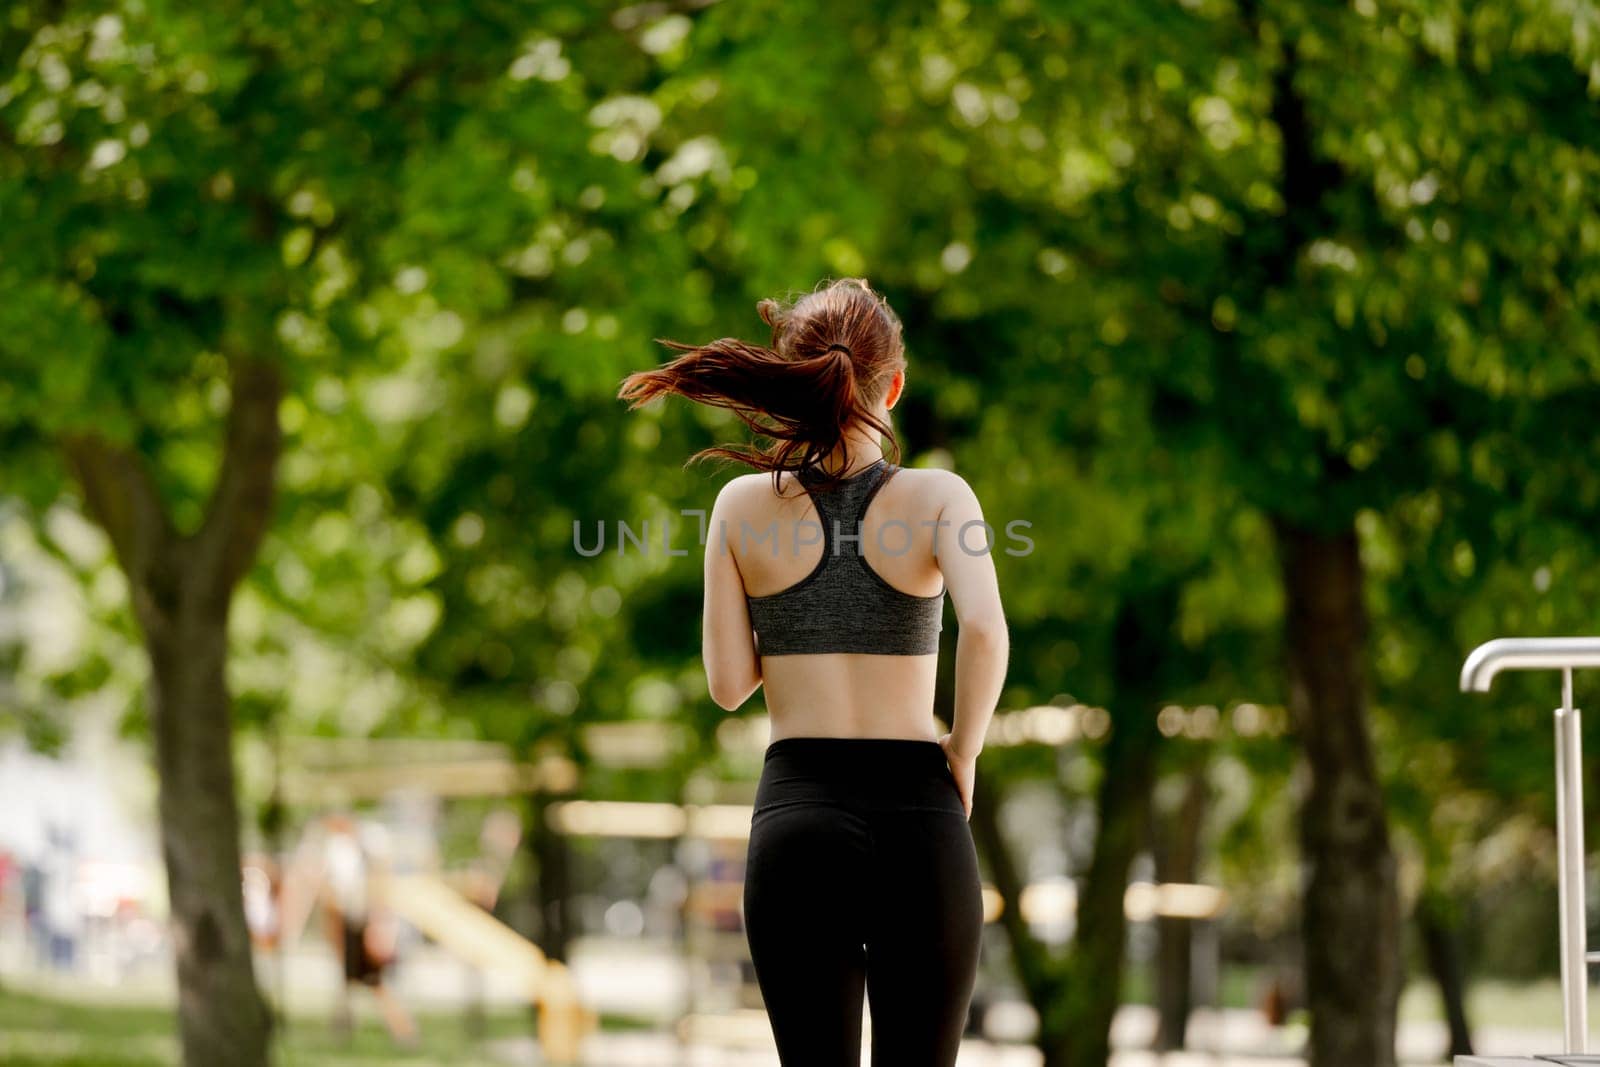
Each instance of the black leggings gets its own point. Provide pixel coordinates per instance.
(862, 876)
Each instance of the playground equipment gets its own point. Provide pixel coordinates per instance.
(453, 909)
(1564, 654)
(472, 934)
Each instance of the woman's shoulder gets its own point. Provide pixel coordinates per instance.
(753, 483)
(936, 485)
(746, 491)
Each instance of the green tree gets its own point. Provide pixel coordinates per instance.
(202, 210)
(1323, 233)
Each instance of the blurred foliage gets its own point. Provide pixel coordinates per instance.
(457, 227)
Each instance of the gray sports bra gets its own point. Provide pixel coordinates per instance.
(844, 605)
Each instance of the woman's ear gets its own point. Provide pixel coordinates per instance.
(897, 385)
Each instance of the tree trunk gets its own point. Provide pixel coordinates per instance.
(1099, 950)
(181, 587)
(1038, 972)
(1141, 661)
(551, 881)
(222, 1018)
(1077, 998)
(1438, 924)
(1350, 923)
(1178, 860)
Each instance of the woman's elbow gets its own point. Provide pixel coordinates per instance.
(729, 693)
(989, 633)
(727, 697)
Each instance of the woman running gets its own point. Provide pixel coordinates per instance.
(825, 575)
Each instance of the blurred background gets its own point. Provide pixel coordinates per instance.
(350, 701)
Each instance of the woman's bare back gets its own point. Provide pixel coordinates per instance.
(775, 541)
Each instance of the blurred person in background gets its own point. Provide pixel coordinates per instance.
(262, 897)
(360, 929)
(62, 912)
(825, 575)
(32, 882)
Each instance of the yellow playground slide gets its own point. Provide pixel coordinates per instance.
(465, 930)
(468, 932)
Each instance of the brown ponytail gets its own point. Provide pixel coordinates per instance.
(832, 354)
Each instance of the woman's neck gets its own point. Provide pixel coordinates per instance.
(854, 453)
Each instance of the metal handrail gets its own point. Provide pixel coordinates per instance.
(1526, 653)
(1564, 654)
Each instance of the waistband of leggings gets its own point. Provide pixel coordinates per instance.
(867, 754)
(864, 773)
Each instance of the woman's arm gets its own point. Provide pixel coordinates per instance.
(728, 644)
(967, 561)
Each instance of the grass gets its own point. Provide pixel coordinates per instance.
(1491, 1002)
(45, 1031)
